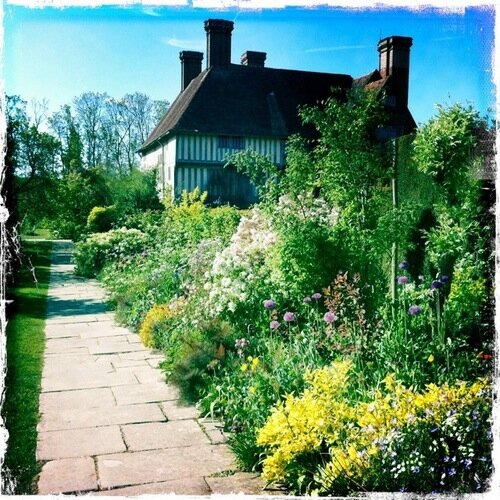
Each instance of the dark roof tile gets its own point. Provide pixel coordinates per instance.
(246, 101)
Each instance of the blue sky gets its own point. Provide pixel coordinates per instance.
(59, 53)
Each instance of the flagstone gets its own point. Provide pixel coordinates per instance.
(147, 375)
(185, 486)
(68, 475)
(116, 347)
(152, 436)
(75, 443)
(97, 417)
(173, 411)
(80, 379)
(132, 468)
(79, 399)
(144, 393)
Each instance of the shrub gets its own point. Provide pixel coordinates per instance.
(101, 219)
(156, 320)
(325, 442)
(92, 254)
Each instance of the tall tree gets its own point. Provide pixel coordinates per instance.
(90, 109)
(65, 127)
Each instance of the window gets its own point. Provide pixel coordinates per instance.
(230, 142)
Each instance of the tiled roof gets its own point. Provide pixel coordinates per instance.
(246, 101)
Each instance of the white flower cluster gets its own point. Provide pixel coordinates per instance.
(306, 206)
(239, 266)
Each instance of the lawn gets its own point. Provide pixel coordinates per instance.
(25, 347)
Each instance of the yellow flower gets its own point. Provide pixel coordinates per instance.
(255, 363)
(252, 389)
(430, 359)
(244, 367)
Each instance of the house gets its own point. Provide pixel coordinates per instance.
(230, 107)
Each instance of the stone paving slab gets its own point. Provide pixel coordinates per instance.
(68, 475)
(127, 469)
(77, 400)
(110, 415)
(144, 393)
(153, 436)
(75, 443)
(184, 486)
(82, 378)
(174, 411)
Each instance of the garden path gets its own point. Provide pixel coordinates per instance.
(110, 425)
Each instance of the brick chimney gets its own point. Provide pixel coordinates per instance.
(218, 42)
(394, 61)
(190, 66)
(252, 58)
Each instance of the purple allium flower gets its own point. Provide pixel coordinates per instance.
(269, 304)
(436, 284)
(444, 279)
(316, 296)
(404, 264)
(402, 280)
(307, 300)
(274, 325)
(414, 310)
(329, 317)
(289, 317)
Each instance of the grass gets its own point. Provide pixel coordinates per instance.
(25, 347)
(41, 233)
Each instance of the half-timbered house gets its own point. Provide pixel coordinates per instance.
(230, 107)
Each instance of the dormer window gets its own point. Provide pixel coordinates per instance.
(230, 142)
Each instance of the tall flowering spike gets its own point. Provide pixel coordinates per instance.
(436, 284)
(269, 304)
(402, 280)
(289, 317)
(414, 310)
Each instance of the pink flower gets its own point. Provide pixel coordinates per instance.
(316, 296)
(289, 317)
(330, 317)
(274, 325)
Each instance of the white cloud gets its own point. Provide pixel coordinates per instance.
(187, 44)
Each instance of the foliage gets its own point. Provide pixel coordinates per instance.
(25, 344)
(101, 219)
(133, 192)
(302, 281)
(443, 146)
(91, 254)
(324, 442)
(75, 195)
(156, 320)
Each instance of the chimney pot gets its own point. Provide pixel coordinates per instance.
(190, 66)
(252, 58)
(218, 42)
